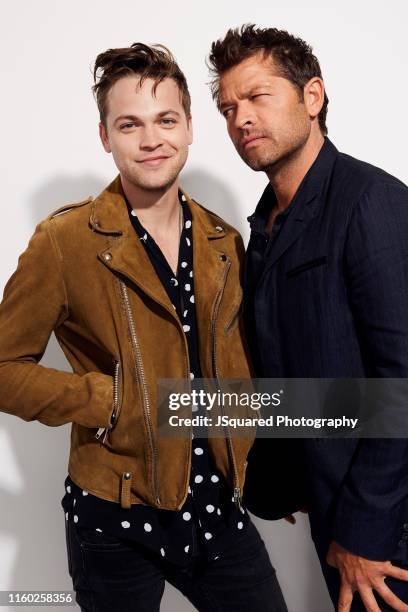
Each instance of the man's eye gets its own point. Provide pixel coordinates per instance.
(168, 121)
(126, 126)
(258, 95)
(227, 112)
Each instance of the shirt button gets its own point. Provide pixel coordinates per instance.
(218, 228)
(126, 476)
(108, 256)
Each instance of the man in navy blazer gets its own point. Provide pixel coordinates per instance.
(326, 296)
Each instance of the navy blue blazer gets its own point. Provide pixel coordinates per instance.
(331, 300)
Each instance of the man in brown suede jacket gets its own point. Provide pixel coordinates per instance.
(138, 284)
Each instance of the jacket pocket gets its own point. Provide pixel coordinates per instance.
(234, 318)
(102, 432)
(313, 263)
(98, 541)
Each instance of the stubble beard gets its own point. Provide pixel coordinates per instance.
(155, 180)
(273, 156)
(280, 149)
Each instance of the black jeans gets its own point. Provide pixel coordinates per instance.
(115, 575)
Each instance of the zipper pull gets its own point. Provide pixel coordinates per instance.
(99, 432)
(102, 431)
(237, 498)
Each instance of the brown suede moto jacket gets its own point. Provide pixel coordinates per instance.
(85, 276)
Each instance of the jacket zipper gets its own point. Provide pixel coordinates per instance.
(103, 431)
(142, 377)
(189, 387)
(237, 491)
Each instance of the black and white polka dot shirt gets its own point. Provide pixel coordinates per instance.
(209, 519)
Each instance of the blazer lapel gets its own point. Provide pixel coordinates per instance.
(307, 201)
(292, 229)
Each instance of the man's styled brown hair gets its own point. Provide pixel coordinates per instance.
(292, 57)
(148, 62)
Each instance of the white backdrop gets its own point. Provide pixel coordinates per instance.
(51, 155)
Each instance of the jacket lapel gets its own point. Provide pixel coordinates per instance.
(307, 202)
(209, 265)
(125, 254)
(292, 229)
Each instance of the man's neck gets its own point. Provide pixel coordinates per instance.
(286, 178)
(157, 210)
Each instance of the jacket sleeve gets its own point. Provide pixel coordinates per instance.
(372, 505)
(34, 304)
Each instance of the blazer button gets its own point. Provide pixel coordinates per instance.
(405, 526)
(218, 228)
(108, 256)
(223, 257)
(126, 476)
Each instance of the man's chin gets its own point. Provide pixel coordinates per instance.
(154, 183)
(258, 165)
(156, 186)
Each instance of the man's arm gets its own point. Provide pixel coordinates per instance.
(34, 304)
(368, 519)
(370, 509)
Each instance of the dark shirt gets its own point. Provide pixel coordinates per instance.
(208, 520)
(259, 247)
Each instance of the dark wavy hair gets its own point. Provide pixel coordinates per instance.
(292, 56)
(149, 62)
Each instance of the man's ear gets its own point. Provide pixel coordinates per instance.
(313, 96)
(104, 137)
(190, 129)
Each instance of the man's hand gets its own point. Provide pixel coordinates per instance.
(364, 576)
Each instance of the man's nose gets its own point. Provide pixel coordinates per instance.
(244, 117)
(151, 138)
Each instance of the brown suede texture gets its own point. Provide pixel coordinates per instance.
(68, 282)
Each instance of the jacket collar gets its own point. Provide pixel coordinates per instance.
(125, 255)
(304, 206)
(313, 184)
(109, 213)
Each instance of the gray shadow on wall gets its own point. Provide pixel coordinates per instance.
(62, 190)
(34, 519)
(298, 570)
(214, 195)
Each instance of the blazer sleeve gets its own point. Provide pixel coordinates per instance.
(372, 505)
(34, 304)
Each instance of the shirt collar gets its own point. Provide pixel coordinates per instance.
(313, 182)
(141, 231)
